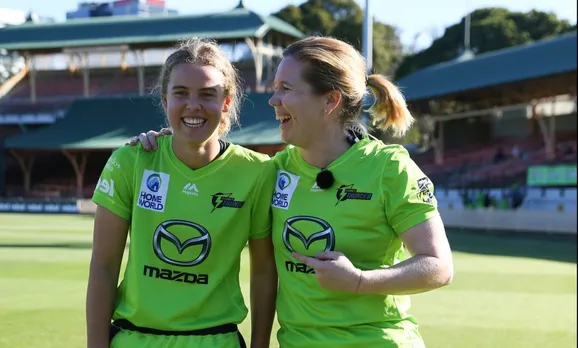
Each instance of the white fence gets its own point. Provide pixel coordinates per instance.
(543, 210)
(513, 220)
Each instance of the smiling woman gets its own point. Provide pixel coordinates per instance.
(198, 89)
(186, 234)
(347, 206)
(211, 61)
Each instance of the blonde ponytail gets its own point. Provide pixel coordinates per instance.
(389, 109)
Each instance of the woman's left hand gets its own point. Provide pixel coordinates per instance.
(334, 271)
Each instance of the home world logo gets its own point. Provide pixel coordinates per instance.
(153, 190)
(286, 185)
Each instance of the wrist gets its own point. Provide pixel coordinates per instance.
(376, 281)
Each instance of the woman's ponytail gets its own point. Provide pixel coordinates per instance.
(389, 109)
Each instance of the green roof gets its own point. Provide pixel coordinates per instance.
(108, 123)
(258, 125)
(133, 30)
(521, 63)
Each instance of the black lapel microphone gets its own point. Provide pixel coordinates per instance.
(325, 178)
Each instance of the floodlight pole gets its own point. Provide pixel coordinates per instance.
(367, 37)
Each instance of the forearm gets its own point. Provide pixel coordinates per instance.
(100, 298)
(263, 297)
(417, 274)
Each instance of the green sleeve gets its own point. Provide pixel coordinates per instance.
(261, 209)
(407, 192)
(115, 188)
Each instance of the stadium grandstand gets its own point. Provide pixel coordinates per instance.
(501, 120)
(489, 123)
(85, 89)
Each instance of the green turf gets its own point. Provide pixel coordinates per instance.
(508, 292)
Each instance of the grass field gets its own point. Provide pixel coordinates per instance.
(508, 292)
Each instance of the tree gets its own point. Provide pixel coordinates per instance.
(343, 19)
(491, 29)
(10, 64)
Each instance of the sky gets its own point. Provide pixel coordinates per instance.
(424, 19)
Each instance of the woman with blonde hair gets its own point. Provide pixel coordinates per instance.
(188, 222)
(346, 206)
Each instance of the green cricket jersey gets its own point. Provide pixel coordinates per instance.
(187, 230)
(379, 193)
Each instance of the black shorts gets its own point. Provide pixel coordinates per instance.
(123, 324)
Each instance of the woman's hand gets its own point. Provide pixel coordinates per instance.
(334, 270)
(149, 139)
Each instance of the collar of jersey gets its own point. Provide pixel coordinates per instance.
(309, 170)
(196, 173)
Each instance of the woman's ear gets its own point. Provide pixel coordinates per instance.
(332, 100)
(227, 104)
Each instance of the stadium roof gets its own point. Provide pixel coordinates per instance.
(108, 123)
(237, 23)
(525, 62)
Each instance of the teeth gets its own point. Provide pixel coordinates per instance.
(193, 121)
(282, 118)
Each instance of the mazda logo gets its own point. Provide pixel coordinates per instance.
(203, 238)
(325, 233)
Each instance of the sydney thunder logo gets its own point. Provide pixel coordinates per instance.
(225, 200)
(347, 192)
